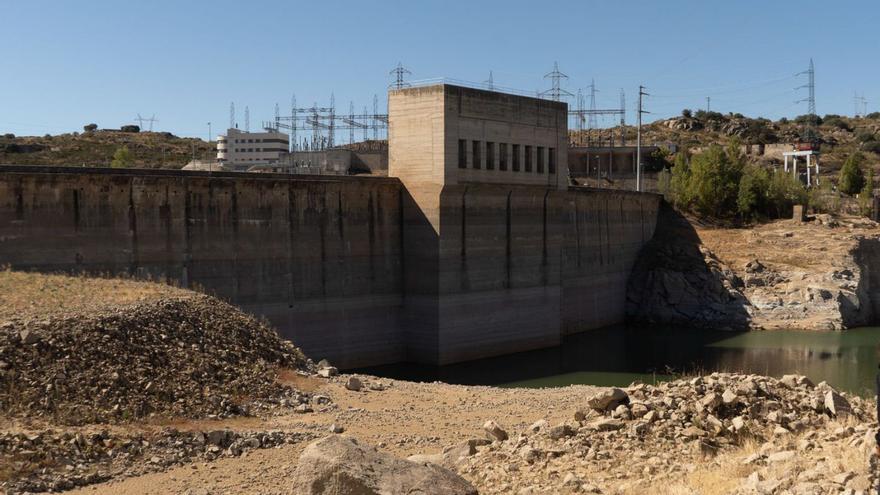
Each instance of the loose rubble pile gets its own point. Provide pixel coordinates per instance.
(188, 356)
(646, 436)
(55, 461)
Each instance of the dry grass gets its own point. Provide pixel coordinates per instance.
(35, 295)
(725, 473)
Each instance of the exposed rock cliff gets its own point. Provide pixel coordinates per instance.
(817, 275)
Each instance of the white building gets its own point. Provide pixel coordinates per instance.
(239, 150)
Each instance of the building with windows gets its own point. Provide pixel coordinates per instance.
(239, 150)
(446, 135)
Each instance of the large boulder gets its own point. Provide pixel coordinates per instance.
(607, 399)
(339, 464)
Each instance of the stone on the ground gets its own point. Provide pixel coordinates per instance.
(560, 431)
(353, 383)
(335, 428)
(494, 432)
(328, 371)
(338, 464)
(607, 399)
(836, 405)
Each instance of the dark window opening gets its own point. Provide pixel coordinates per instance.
(540, 159)
(462, 153)
(478, 159)
(528, 158)
(515, 158)
(551, 163)
(490, 155)
(502, 156)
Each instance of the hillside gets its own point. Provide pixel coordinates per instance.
(96, 148)
(839, 136)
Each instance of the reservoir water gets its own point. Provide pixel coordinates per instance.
(620, 355)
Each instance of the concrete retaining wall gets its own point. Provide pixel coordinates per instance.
(349, 268)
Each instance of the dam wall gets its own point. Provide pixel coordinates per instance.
(320, 257)
(359, 270)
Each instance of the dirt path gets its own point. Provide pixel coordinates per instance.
(404, 419)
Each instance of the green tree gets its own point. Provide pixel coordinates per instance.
(714, 181)
(751, 198)
(852, 179)
(866, 196)
(122, 158)
(679, 182)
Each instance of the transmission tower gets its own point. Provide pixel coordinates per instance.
(861, 105)
(810, 132)
(622, 117)
(592, 123)
(490, 83)
(277, 113)
(398, 73)
(247, 119)
(375, 112)
(556, 93)
(232, 115)
(293, 144)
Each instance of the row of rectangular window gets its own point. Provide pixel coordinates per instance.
(477, 163)
(259, 150)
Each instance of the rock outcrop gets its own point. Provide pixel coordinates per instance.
(340, 465)
(816, 275)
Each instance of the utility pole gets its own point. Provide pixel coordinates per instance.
(209, 132)
(708, 103)
(639, 141)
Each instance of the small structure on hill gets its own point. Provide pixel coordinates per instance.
(811, 174)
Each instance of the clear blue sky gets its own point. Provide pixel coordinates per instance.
(68, 63)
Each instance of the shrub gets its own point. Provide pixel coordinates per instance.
(836, 121)
(686, 113)
(871, 146)
(752, 195)
(783, 192)
(808, 119)
(9, 135)
(867, 193)
(852, 179)
(706, 116)
(121, 158)
(824, 198)
(90, 127)
(874, 115)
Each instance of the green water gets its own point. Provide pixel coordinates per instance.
(620, 355)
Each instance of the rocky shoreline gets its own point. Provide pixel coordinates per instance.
(820, 274)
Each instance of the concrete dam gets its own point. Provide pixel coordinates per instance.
(473, 248)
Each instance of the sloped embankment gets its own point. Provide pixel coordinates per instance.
(133, 352)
